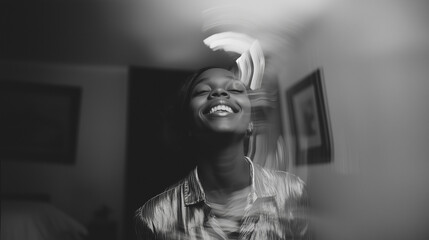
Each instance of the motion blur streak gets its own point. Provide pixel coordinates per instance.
(375, 56)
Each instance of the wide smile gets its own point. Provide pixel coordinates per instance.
(220, 108)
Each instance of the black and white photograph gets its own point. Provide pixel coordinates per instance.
(310, 120)
(39, 121)
(214, 120)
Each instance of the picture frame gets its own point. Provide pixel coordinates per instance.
(309, 120)
(39, 122)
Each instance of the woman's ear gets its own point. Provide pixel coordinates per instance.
(249, 130)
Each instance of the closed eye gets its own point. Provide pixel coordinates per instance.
(236, 90)
(236, 87)
(200, 92)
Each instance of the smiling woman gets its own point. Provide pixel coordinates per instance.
(226, 196)
(219, 104)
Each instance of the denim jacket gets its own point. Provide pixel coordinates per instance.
(276, 209)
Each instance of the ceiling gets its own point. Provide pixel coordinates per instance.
(157, 33)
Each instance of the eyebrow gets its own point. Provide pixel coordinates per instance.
(205, 78)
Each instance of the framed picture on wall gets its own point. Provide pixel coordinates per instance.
(39, 122)
(309, 120)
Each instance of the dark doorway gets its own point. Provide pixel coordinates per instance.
(151, 165)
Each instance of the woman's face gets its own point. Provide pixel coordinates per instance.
(219, 103)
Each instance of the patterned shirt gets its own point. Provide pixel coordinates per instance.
(230, 213)
(276, 208)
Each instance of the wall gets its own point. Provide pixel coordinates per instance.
(106, 32)
(97, 177)
(375, 57)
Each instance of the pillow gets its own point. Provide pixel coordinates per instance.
(37, 221)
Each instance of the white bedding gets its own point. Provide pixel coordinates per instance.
(27, 220)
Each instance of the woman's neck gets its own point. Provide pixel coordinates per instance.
(223, 169)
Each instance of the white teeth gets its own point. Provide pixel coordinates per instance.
(223, 108)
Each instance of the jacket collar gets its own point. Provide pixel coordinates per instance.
(194, 192)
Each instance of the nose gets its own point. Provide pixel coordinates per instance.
(219, 92)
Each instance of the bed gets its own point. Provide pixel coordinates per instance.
(34, 217)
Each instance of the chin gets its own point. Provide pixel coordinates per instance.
(225, 125)
(228, 130)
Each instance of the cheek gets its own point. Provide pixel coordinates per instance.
(195, 106)
(194, 111)
(246, 106)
